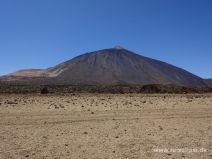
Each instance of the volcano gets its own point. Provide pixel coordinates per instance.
(112, 66)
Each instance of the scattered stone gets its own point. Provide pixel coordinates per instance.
(11, 102)
(56, 107)
(160, 127)
(45, 137)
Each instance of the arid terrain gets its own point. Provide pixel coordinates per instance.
(105, 126)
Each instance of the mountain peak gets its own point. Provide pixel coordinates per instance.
(119, 47)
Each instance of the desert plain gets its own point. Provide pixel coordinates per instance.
(106, 126)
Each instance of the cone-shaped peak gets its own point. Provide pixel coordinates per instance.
(119, 47)
(113, 66)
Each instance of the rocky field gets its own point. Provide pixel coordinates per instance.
(105, 126)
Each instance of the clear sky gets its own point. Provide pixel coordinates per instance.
(43, 33)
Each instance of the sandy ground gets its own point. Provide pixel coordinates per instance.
(105, 126)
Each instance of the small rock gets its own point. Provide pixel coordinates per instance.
(160, 127)
(56, 107)
(44, 137)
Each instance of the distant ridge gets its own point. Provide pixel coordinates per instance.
(112, 66)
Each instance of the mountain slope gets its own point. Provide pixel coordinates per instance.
(30, 73)
(120, 66)
(209, 82)
(115, 66)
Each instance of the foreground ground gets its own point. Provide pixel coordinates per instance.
(106, 126)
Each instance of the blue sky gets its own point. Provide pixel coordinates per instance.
(43, 33)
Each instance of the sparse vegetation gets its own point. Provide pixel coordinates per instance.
(116, 89)
(44, 90)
